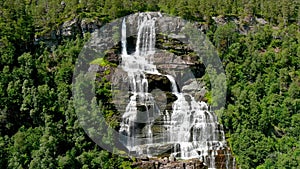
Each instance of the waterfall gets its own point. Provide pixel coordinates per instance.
(136, 65)
(146, 36)
(123, 40)
(190, 127)
(174, 86)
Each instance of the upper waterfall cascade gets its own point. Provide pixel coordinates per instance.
(190, 127)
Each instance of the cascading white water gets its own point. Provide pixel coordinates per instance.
(123, 40)
(136, 65)
(190, 126)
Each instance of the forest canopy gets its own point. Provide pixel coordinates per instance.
(257, 41)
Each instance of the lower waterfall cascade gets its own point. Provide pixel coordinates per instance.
(190, 127)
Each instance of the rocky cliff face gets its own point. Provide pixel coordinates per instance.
(174, 57)
(69, 29)
(80, 26)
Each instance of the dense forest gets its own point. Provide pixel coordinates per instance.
(257, 41)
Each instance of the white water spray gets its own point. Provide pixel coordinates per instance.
(189, 126)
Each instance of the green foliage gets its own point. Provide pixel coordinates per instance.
(100, 61)
(225, 35)
(260, 76)
(4, 141)
(38, 125)
(24, 144)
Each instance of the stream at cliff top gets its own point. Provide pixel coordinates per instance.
(190, 129)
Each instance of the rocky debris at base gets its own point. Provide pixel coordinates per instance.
(169, 163)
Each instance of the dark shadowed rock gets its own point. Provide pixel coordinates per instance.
(158, 81)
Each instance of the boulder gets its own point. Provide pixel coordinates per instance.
(193, 86)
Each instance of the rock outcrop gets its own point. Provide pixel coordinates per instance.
(68, 29)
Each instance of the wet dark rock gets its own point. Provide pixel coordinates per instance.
(158, 82)
(144, 158)
(113, 56)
